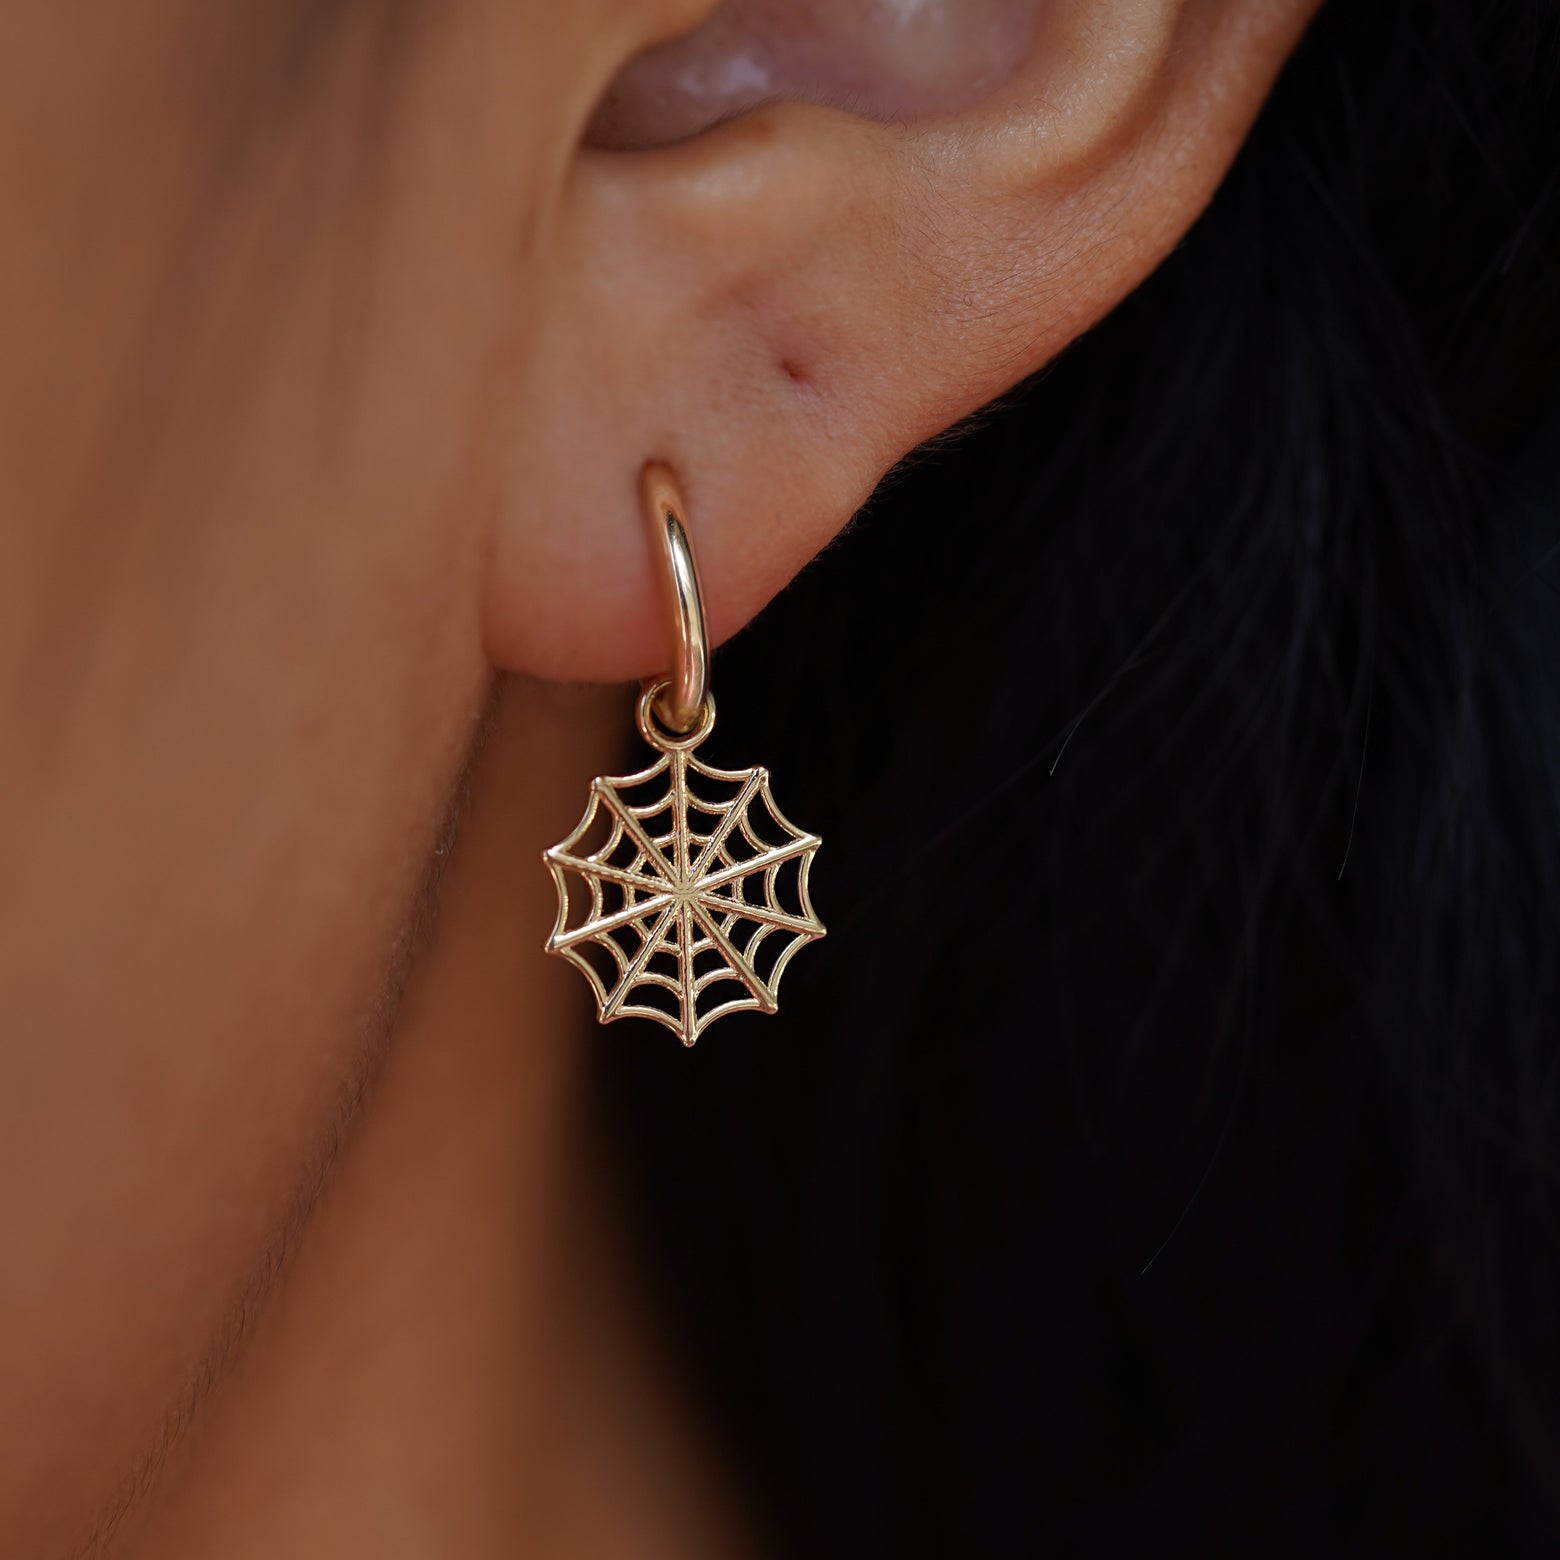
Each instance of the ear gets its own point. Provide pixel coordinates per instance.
(784, 305)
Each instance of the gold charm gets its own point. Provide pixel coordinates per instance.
(695, 896)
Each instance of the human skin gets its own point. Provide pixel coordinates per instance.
(331, 360)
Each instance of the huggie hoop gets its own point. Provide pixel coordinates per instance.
(682, 705)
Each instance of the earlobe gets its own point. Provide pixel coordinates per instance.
(784, 306)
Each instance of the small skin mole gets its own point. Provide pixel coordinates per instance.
(793, 371)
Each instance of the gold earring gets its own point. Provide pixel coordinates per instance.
(694, 900)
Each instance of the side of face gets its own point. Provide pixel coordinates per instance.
(269, 269)
(333, 353)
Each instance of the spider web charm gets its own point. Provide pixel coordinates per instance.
(682, 895)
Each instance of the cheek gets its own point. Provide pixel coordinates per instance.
(208, 870)
(197, 931)
(240, 680)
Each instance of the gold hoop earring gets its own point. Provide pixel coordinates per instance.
(693, 901)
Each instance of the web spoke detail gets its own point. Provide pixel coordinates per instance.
(683, 894)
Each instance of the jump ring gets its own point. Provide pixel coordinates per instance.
(651, 726)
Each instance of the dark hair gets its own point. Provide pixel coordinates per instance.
(1161, 1154)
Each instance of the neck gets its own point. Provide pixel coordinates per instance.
(454, 1362)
